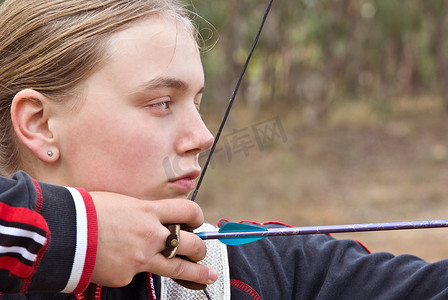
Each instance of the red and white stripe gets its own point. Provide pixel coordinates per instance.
(86, 242)
(25, 225)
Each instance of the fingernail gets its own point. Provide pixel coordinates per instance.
(212, 275)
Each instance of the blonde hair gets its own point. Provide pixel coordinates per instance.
(52, 46)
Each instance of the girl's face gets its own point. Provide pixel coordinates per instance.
(138, 130)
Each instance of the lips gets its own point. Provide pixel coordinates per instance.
(186, 182)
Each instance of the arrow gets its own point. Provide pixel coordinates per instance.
(241, 233)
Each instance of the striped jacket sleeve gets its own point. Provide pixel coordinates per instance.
(48, 236)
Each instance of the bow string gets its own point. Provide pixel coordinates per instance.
(232, 99)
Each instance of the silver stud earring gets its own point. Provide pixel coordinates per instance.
(50, 153)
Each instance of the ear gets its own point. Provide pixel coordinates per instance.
(30, 113)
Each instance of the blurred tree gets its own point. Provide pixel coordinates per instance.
(314, 52)
(438, 43)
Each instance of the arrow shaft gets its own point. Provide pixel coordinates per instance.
(326, 229)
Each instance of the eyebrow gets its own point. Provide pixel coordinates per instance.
(167, 82)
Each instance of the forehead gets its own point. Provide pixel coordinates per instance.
(149, 35)
(154, 47)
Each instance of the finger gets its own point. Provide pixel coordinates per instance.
(191, 246)
(182, 269)
(178, 211)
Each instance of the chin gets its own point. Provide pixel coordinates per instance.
(180, 196)
(172, 195)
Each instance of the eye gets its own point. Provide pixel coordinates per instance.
(162, 105)
(159, 106)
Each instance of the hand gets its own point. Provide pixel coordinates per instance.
(131, 236)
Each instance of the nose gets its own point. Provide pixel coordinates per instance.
(194, 135)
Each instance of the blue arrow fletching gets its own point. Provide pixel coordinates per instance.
(235, 234)
(239, 227)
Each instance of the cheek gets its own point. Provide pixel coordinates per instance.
(116, 148)
(117, 156)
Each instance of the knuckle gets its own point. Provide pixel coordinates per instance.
(199, 249)
(179, 269)
(137, 258)
(195, 211)
(155, 239)
(140, 258)
(149, 207)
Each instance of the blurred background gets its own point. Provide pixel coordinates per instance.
(341, 117)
